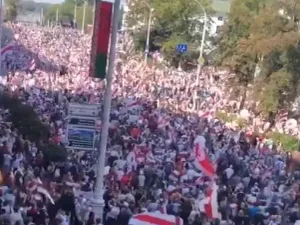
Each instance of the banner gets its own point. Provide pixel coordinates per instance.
(100, 39)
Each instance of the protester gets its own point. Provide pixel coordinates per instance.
(164, 160)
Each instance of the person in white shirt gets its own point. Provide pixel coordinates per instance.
(141, 179)
(17, 162)
(16, 216)
(229, 172)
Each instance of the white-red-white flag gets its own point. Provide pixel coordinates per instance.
(209, 205)
(202, 162)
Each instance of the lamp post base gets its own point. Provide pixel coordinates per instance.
(98, 206)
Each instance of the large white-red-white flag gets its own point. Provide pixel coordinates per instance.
(8, 49)
(156, 218)
(202, 162)
(209, 205)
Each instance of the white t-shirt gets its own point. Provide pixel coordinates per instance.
(7, 159)
(229, 172)
(141, 179)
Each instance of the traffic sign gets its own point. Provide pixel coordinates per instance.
(82, 122)
(182, 48)
(81, 138)
(89, 110)
(201, 60)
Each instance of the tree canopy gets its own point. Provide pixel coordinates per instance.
(260, 44)
(173, 22)
(11, 9)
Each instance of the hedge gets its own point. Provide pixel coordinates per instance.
(229, 118)
(288, 142)
(28, 123)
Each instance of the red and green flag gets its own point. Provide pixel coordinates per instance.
(100, 39)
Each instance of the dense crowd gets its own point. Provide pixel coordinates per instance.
(162, 157)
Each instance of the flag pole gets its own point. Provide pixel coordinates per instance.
(97, 201)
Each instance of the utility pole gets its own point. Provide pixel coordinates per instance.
(147, 48)
(42, 17)
(200, 59)
(83, 17)
(75, 11)
(94, 10)
(57, 16)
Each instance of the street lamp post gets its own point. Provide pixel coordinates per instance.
(56, 18)
(75, 11)
(200, 59)
(97, 201)
(83, 17)
(147, 47)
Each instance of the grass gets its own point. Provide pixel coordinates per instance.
(221, 6)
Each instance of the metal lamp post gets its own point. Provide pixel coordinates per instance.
(75, 11)
(147, 47)
(83, 17)
(200, 59)
(97, 201)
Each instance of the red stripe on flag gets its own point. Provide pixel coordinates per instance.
(104, 27)
(152, 219)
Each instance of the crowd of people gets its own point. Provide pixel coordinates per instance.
(162, 158)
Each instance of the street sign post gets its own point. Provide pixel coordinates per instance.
(182, 48)
(82, 121)
(88, 110)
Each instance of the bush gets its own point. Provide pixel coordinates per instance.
(27, 122)
(25, 119)
(289, 143)
(54, 153)
(222, 116)
(229, 118)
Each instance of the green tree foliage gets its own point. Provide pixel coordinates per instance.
(11, 9)
(173, 22)
(66, 12)
(263, 34)
(27, 122)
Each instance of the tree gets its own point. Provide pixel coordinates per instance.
(12, 8)
(274, 40)
(265, 35)
(230, 50)
(173, 22)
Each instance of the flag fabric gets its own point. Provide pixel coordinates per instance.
(32, 65)
(202, 161)
(209, 205)
(8, 49)
(174, 176)
(162, 121)
(46, 193)
(100, 39)
(156, 218)
(132, 104)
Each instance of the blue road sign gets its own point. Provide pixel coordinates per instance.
(182, 48)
